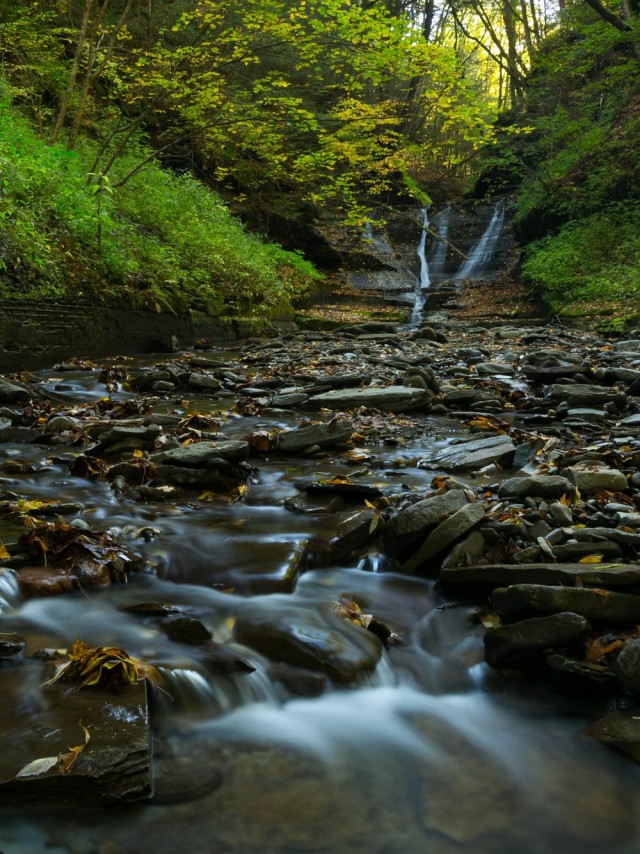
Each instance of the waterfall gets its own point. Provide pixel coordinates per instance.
(482, 253)
(441, 222)
(423, 281)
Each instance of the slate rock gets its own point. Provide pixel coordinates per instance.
(620, 729)
(594, 480)
(510, 645)
(473, 454)
(199, 454)
(444, 535)
(595, 605)
(538, 486)
(412, 523)
(395, 398)
(310, 639)
(627, 666)
(10, 391)
(501, 574)
(324, 435)
(114, 765)
(203, 382)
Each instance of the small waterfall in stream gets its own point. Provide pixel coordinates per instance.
(423, 281)
(438, 255)
(481, 255)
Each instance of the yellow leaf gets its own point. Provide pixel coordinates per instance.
(207, 496)
(4, 554)
(368, 504)
(138, 454)
(591, 559)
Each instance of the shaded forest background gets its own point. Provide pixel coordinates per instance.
(181, 154)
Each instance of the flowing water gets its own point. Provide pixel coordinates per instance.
(482, 254)
(423, 281)
(439, 250)
(430, 753)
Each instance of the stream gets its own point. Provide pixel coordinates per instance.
(429, 752)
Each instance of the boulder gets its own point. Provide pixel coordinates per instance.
(407, 528)
(509, 645)
(201, 454)
(307, 638)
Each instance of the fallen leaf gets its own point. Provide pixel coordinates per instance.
(591, 559)
(38, 767)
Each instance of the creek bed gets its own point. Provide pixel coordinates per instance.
(429, 751)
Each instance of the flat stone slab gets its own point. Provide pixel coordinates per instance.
(473, 454)
(115, 763)
(506, 645)
(199, 454)
(394, 398)
(413, 522)
(324, 435)
(502, 574)
(595, 605)
(619, 729)
(540, 486)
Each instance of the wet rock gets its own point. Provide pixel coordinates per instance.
(500, 574)
(10, 645)
(473, 454)
(314, 505)
(468, 551)
(627, 666)
(509, 645)
(114, 765)
(324, 435)
(220, 474)
(580, 394)
(591, 480)
(185, 774)
(186, 630)
(620, 729)
(389, 399)
(538, 486)
(598, 673)
(200, 454)
(36, 581)
(408, 527)
(355, 533)
(13, 391)
(576, 551)
(595, 605)
(562, 514)
(299, 681)
(312, 640)
(444, 535)
(203, 382)
(62, 422)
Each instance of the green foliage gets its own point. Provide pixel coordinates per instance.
(593, 260)
(159, 240)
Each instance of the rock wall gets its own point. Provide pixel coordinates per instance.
(36, 334)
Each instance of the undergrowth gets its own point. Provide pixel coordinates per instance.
(161, 240)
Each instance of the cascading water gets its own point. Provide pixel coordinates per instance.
(438, 255)
(423, 281)
(481, 255)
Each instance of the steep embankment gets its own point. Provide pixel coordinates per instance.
(162, 241)
(577, 171)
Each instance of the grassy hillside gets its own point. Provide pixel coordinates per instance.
(160, 240)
